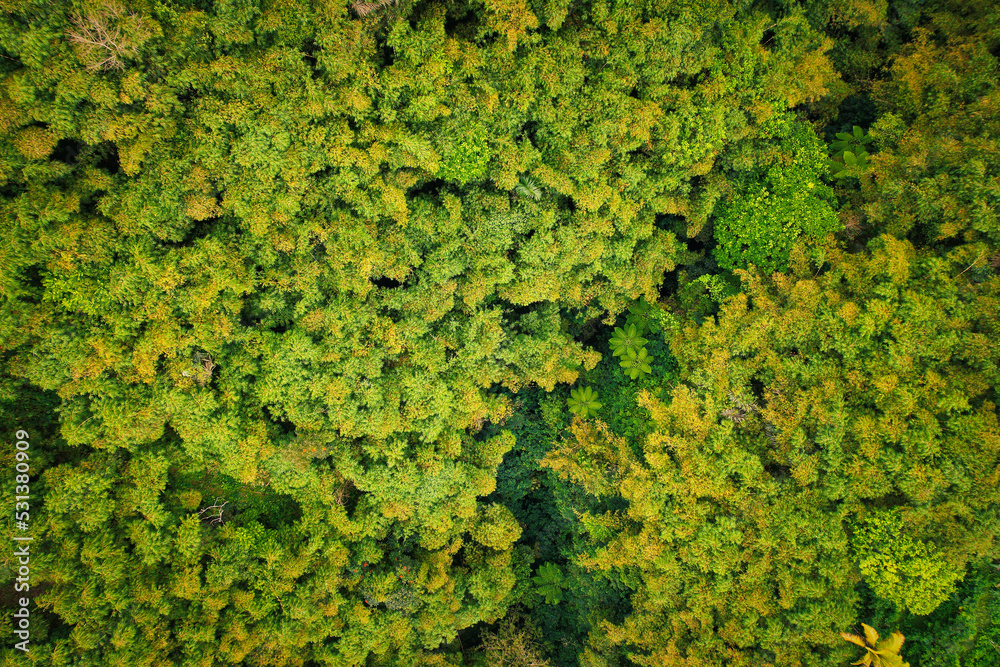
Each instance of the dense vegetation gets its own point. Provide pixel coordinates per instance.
(503, 332)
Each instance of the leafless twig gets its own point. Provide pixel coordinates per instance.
(973, 263)
(366, 8)
(213, 513)
(101, 38)
(204, 365)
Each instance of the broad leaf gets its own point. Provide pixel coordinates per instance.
(870, 633)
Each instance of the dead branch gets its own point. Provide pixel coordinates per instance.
(213, 513)
(366, 8)
(99, 35)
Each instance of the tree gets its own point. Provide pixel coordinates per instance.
(878, 653)
(761, 223)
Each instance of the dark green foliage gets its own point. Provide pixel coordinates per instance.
(964, 630)
(550, 582)
(639, 317)
(549, 511)
(702, 296)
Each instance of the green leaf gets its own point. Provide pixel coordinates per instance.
(625, 340)
(636, 363)
(550, 582)
(583, 402)
(527, 188)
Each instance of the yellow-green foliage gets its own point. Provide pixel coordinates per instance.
(878, 653)
(284, 268)
(811, 398)
(911, 573)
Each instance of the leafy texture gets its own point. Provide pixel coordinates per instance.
(908, 572)
(293, 297)
(759, 225)
(584, 402)
(884, 653)
(550, 583)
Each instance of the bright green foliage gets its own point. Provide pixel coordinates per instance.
(180, 577)
(898, 568)
(466, 156)
(964, 630)
(757, 229)
(878, 653)
(278, 244)
(849, 159)
(549, 581)
(635, 362)
(854, 142)
(626, 339)
(583, 402)
(850, 156)
(759, 225)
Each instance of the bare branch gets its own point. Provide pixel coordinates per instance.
(366, 8)
(101, 39)
(213, 513)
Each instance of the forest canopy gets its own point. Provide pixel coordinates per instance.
(501, 332)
